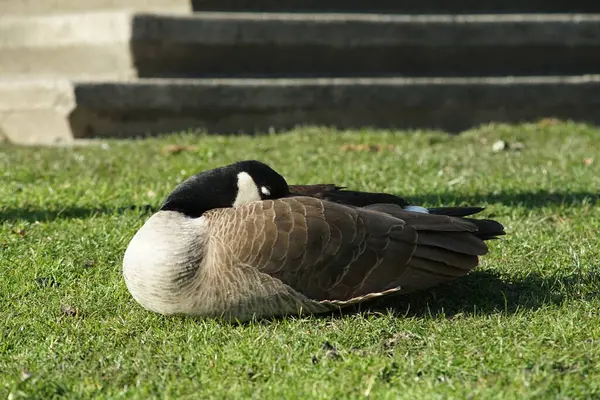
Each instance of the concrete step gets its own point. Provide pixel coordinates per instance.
(50, 111)
(125, 45)
(29, 7)
(402, 6)
(40, 7)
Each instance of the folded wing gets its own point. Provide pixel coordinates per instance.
(339, 254)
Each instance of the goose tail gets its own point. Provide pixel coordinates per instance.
(487, 229)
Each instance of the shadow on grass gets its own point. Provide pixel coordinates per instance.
(479, 293)
(532, 199)
(32, 215)
(483, 292)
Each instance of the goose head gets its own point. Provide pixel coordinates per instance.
(230, 186)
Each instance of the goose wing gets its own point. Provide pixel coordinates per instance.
(337, 254)
(338, 194)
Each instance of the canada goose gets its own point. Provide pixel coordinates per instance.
(237, 242)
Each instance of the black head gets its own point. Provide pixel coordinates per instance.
(228, 186)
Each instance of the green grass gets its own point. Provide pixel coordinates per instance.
(526, 324)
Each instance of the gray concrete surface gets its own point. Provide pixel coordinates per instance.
(403, 6)
(36, 112)
(67, 74)
(28, 7)
(51, 111)
(126, 45)
(83, 44)
(31, 7)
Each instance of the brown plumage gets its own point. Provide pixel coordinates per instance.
(291, 254)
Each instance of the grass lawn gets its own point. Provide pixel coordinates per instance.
(526, 324)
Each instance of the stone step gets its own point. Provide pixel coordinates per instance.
(29, 7)
(51, 111)
(402, 6)
(125, 45)
(38, 7)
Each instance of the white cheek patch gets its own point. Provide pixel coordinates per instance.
(247, 190)
(265, 191)
(417, 209)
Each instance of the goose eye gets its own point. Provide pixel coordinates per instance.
(265, 190)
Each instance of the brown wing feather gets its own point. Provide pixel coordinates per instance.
(339, 254)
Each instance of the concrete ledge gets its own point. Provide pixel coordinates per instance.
(87, 44)
(45, 112)
(31, 7)
(369, 30)
(28, 7)
(401, 6)
(125, 45)
(36, 112)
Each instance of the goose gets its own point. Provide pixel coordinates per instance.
(237, 242)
